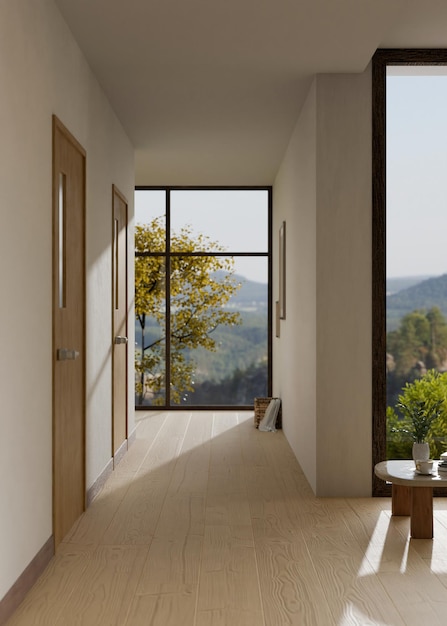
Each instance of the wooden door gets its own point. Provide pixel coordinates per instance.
(69, 161)
(119, 317)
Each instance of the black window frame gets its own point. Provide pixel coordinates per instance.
(381, 60)
(168, 254)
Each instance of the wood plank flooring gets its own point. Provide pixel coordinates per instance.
(208, 522)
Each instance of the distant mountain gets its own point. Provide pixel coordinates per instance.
(250, 300)
(423, 295)
(252, 295)
(394, 285)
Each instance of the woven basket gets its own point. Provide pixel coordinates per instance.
(260, 405)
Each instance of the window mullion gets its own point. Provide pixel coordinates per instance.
(168, 300)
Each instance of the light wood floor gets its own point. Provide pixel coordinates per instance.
(208, 522)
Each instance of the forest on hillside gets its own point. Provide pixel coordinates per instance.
(237, 370)
(418, 345)
(424, 295)
(416, 359)
(417, 333)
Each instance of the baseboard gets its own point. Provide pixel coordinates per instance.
(15, 596)
(119, 454)
(93, 491)
(124, 447)
(133, 435)
(99, 483)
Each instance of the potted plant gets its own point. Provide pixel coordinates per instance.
(419, 416)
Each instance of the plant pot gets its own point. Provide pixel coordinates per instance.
(421, 451)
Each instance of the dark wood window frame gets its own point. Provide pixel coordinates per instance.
(267, 255)
(381, 60)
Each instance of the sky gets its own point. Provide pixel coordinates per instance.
(236, 219)
(416, 188)
(416, 175)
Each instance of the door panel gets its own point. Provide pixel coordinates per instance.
(119, 316)
(68, 330)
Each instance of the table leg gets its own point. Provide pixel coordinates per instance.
(422, 513)
(400, 500)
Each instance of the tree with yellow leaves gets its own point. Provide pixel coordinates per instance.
(200, 287)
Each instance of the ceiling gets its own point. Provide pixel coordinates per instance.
(209, 91)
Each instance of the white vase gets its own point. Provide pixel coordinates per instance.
(421, 451)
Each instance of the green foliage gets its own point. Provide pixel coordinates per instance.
(421, 337)
(416, 353)
(419, 344)
(419, 419)
(238, 348)
(200, 287)
(423, 416)
(398, 446)
(241, 386)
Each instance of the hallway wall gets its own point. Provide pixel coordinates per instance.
(42, 72)
(322, 361)
(294, 352)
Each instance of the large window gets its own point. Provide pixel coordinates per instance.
(409, 225)
(202, 297)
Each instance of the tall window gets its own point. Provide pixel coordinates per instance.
(202, 297)
(409, 224)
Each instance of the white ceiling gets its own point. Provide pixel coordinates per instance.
(209, 91)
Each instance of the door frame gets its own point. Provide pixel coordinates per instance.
(118, 452)
(58, 126)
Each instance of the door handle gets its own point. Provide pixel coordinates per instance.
(66, 354)
(120, 339)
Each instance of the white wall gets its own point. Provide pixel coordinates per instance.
(294, 355)
(344, 254)
(42, 72)
(329, 416)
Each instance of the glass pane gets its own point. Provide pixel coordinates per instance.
(150, 331)
(416, 264)
(219, 220)
(219, 330)
(150, 220)
(116, 259)
(62, 240)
